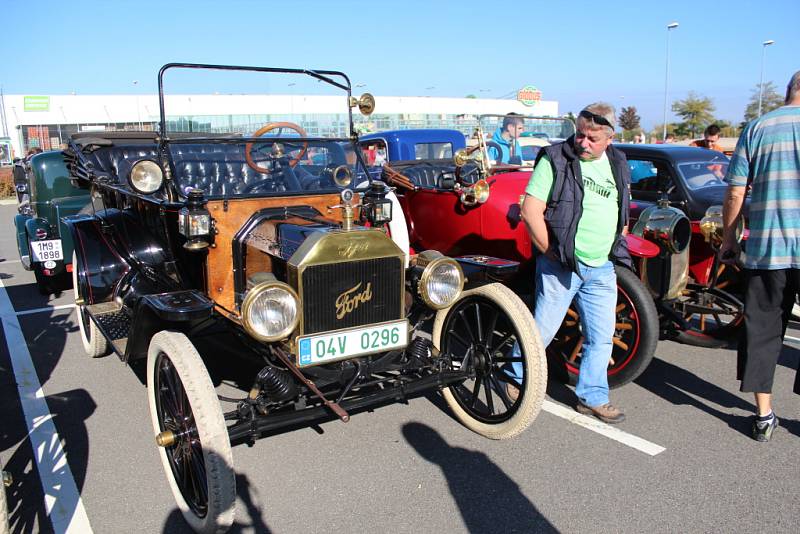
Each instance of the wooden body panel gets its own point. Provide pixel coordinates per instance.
(220, 257)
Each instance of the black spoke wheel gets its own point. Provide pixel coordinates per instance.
(195, 449)
(94, 343)
(713, 316)
(486, 332)
(635, 335)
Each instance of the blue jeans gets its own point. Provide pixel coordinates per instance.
(596, 292)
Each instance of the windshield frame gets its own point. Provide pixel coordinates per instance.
(679, 165)
(327, 76)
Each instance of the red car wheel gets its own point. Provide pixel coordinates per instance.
(635, 336)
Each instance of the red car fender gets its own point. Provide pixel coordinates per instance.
(640, 247)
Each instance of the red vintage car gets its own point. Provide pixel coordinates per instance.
(462, 203)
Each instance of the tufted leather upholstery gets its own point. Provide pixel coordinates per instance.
(219, 169)
(427, 175)
(216, 168)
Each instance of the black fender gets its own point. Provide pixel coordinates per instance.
(116, 254)
(480, 270)
(176, 310)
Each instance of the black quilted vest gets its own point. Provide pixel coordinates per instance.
(565, 207)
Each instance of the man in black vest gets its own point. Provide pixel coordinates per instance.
(576, 211)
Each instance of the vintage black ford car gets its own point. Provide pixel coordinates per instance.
(201, 235)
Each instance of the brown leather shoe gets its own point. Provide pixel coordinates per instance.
(513, 392)
(605, 412)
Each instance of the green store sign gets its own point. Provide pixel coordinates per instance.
(37, 103)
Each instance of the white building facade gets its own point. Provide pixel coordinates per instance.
(47, 121)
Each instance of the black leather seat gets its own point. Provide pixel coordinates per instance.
(216, 168)
(427, 175)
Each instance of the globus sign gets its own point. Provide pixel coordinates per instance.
(529, 95)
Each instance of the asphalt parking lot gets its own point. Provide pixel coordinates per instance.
(84, 460)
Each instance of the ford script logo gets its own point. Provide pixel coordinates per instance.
(352, 248)
(350, 300)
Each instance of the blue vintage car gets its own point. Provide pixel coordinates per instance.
(407, 145)
(45, 246)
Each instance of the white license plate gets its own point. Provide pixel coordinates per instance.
(343, 344)
(47, 250)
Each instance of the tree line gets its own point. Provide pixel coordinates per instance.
(697, 112)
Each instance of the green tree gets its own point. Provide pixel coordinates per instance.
(470, 96)
(658, 130)
(696, 111)
(727, 129)
(770, 100)
(629, 121)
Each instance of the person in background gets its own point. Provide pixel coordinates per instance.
(506, 138)
(32, 152)
(669, 139)
(576, 211)
(767, 156)
(709, 140)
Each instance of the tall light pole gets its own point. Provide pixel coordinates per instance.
(670, 26)
(764, 46)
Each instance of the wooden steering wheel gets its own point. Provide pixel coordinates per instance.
(266, 128)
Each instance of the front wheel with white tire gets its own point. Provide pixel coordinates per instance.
(490, 333)
(191, 434)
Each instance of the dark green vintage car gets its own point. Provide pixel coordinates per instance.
(47, 195)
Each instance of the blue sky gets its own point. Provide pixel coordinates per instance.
(574, 52)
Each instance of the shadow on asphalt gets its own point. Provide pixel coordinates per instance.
(488, 499)
(69, 411)
(679, 386)
(248, 520)
(790, 357)
(27, 296)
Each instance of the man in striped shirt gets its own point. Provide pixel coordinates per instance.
(767, 158)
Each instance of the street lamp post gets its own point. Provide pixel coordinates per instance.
(670, 26)
(764, 46)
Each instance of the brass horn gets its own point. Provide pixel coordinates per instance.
(465, 155)
(365, 103)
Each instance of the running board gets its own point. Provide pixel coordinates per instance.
(113, 323)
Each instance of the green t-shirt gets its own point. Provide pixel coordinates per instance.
(597, 227)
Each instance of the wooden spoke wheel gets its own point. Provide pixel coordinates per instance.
(713, 316)
(635, 335)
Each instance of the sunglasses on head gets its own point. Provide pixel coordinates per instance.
(594, 117)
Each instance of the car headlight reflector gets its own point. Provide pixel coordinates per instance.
(441, 282)
(146, 176)
(270, 311)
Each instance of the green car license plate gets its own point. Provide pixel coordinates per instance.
(343, 344)
(47, 250)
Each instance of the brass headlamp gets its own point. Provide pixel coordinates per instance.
(712, 226)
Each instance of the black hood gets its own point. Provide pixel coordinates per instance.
(706, 197)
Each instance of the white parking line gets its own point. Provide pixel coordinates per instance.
(61, 498)
(608, 431)
(45, 309)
